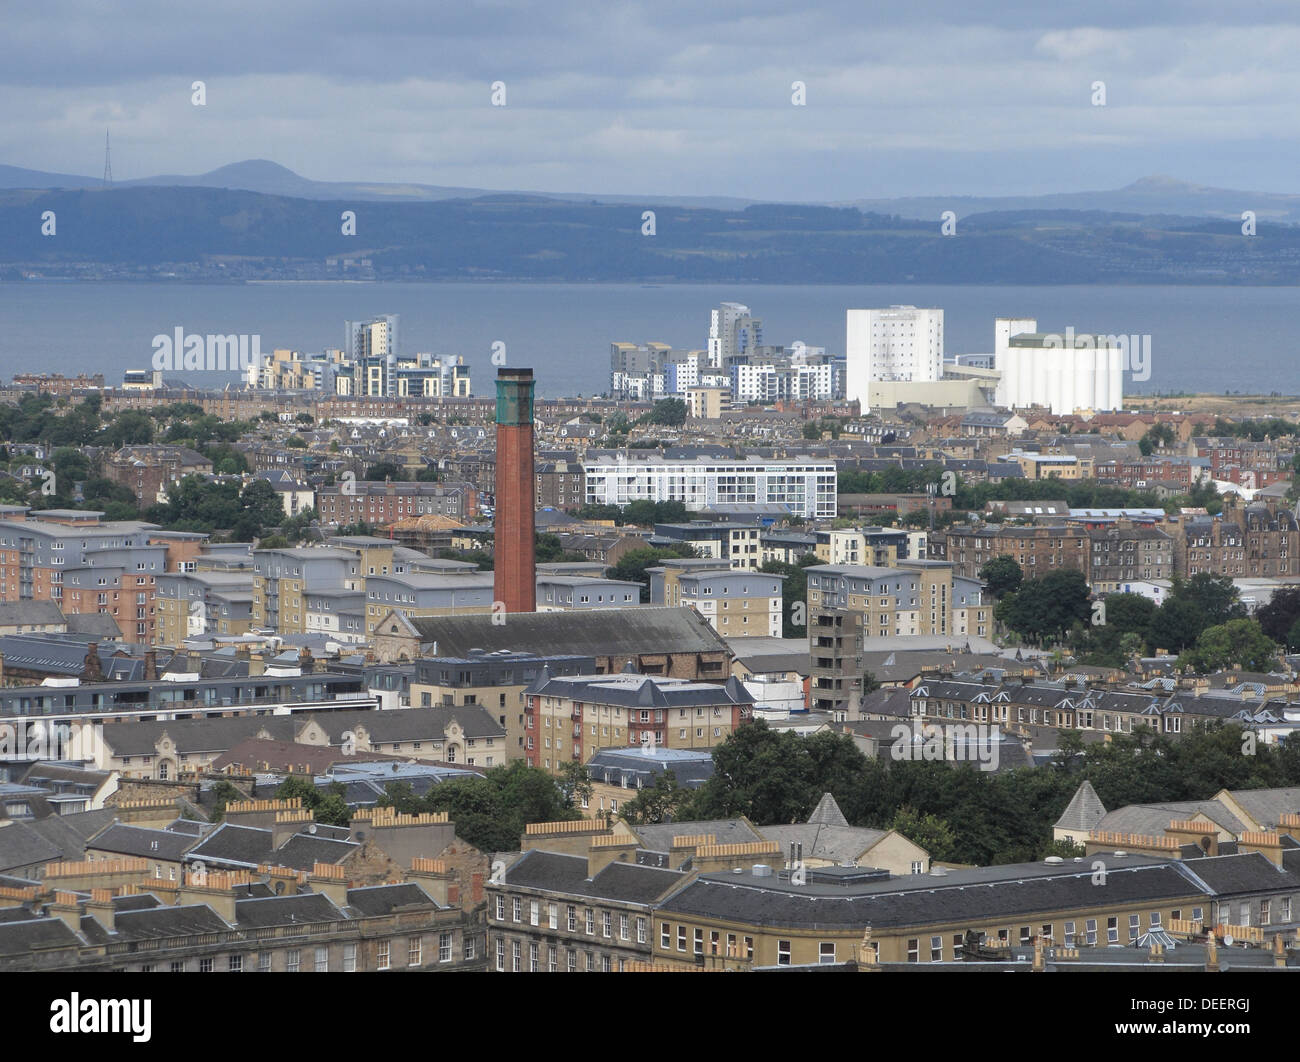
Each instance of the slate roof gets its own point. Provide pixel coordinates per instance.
(1151, 820)
(1084, 811)
(302, 850)
(1267, 806)
(385, 899)
(923, 899)
(839, 844)
(243, 845)
(20, 938)
(139, 841)
(603, 632)
(22, 846)
(659, 838)
(286, 910)
(168, 921)
(620, 882)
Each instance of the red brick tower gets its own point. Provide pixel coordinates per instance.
(515, 580)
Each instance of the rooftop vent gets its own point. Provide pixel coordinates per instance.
(1053, 861)
(762, 870)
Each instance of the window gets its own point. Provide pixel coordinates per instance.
(517, 908)
(349, 958)
(293, 960)
(552, 965)
(553, 916)
(640, 931)
(469, 948)
(624, 922)
(606, 924)
(1134, 927)
(936, 949)
(1090, 929)
(914, 950)
(681, 938)
(178, 967)
(826, 952)
(783, 953)
(501, 954)
(665, 936)
(532, 958)
(591, 922)
(1112, 930)
(1069, 934)
(699, 942)
(572, 913)
(264, 962)
(573, 961)
(381, 956)
(501, 908)
(235, 964)
(205, 966)
(534, 912)
(322, 960)
(516, 954)
(1025, 935)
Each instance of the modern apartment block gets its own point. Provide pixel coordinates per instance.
(733, 331)
(806, 486)
(849, 604)
(737, 603)
(190, 604)
(568, 718)
(282, 578)
(735, 545)
(89, 565)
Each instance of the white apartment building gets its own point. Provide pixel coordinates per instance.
(371, 339)
(898, 344)
(807, 487)
(1063, 372)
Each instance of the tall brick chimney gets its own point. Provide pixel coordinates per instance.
(515, 570)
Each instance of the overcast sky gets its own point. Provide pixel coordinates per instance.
(671, 97)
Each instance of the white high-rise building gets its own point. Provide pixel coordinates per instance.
(732, 331)
(902, 343)
(1063, 372)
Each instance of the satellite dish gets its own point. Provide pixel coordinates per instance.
(311, 828)
(1227, 940)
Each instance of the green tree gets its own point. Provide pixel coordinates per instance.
(386, 470)
(929, 831)
(1175, 625)
(1239, 642)
(656, 803)
(1042, 610)
(1002, 575)
(668, 411)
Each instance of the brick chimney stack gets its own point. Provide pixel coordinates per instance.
(515, 569)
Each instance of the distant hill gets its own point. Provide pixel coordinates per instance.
(270, 178)
(199, 232)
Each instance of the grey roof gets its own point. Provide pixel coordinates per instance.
(303, 908)
(30, 611)
(228, 843)
(1084, 811)
(839, 844)
(302, 850)
(168, 921)
(21, 846)
(602, 632)
(385, 899)
(659, 838)
(1151, 820)
(21, 938)
(1267, 806)
(621, 882)
(827, 813)
(69, 833)
(924, 899)
(141, 842)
